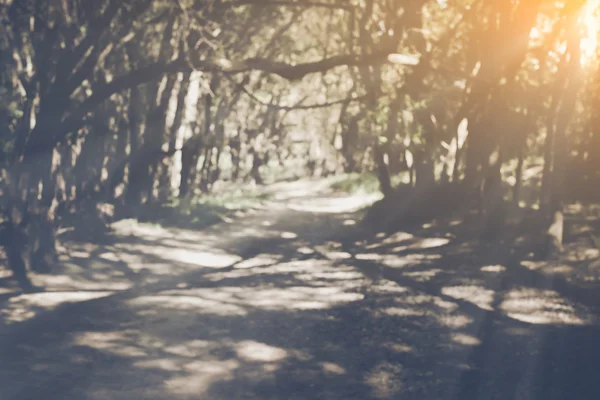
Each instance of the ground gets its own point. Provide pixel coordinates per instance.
(290, 301)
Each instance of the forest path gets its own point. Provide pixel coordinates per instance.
(281, 304)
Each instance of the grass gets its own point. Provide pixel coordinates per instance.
(202, 211)
(363, 183)
(237, 199)
(355, 183)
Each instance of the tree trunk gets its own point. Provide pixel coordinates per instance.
(424, 171)
(189, 162)
(235, 145)
(42, 239)
(383, 173)
(155, 133)
(133, 193)
(257, 162)
(574, 80)
(117, 161)
(165, 189)
(13, 239)
(493, 207)
(516, 195)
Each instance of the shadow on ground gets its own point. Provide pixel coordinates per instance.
(290, 302)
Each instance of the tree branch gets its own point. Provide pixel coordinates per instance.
(291, 3)
(77, 119)
(152, 72)
(69, 61)
(124, 82)
(294, 72)
(297, 106)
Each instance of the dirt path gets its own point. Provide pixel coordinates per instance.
(280, 304)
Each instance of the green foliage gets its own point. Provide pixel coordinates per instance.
(206, 210)
(356, 183)
(232, 200)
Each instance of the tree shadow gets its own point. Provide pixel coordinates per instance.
(308, 308)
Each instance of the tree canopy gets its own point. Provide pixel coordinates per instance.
(137, 102)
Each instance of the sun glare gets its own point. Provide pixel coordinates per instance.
(591, 26)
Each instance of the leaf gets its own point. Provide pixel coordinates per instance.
(409, 158)
(462, 132)
(404, 59)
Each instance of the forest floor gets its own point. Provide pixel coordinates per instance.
(287, 301)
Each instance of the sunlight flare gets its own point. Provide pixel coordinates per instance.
(590, 24)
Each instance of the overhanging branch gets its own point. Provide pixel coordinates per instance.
(297, 106)
(75, 120)
(155, 71)
(291, 3)
(298, 71)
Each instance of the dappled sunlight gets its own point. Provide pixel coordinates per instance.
(227, 301)
(305, 250)
(297, 188)
(334, 205)
(252, 351)
(288, 235)
(300, 298)
(234, 274)
(347, 275)
(258, 261)
(321, 273)
(481, 297)
(424, 275)
(465, 339)
(454, 321)
(198, 376)
(387, 286)
(421, 244)
(394, 261)
(84, 280)
(126, 343)
(191, 367)
(568, 271)
(577, 252)
(392, 239)
(403, 312)
(132, 227)
(398, 347)
(4, 291)
(327, 285)
(385, 380)
(370, 256)
(197, 304)
(332, 368)
(164, 364)
(203, 259)
(493, 268)
(537, 306)
(397, 261)
(429, 243)
(173, 255)
(27, 306)
(192, 348)
(434, 309)
(337, 255)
